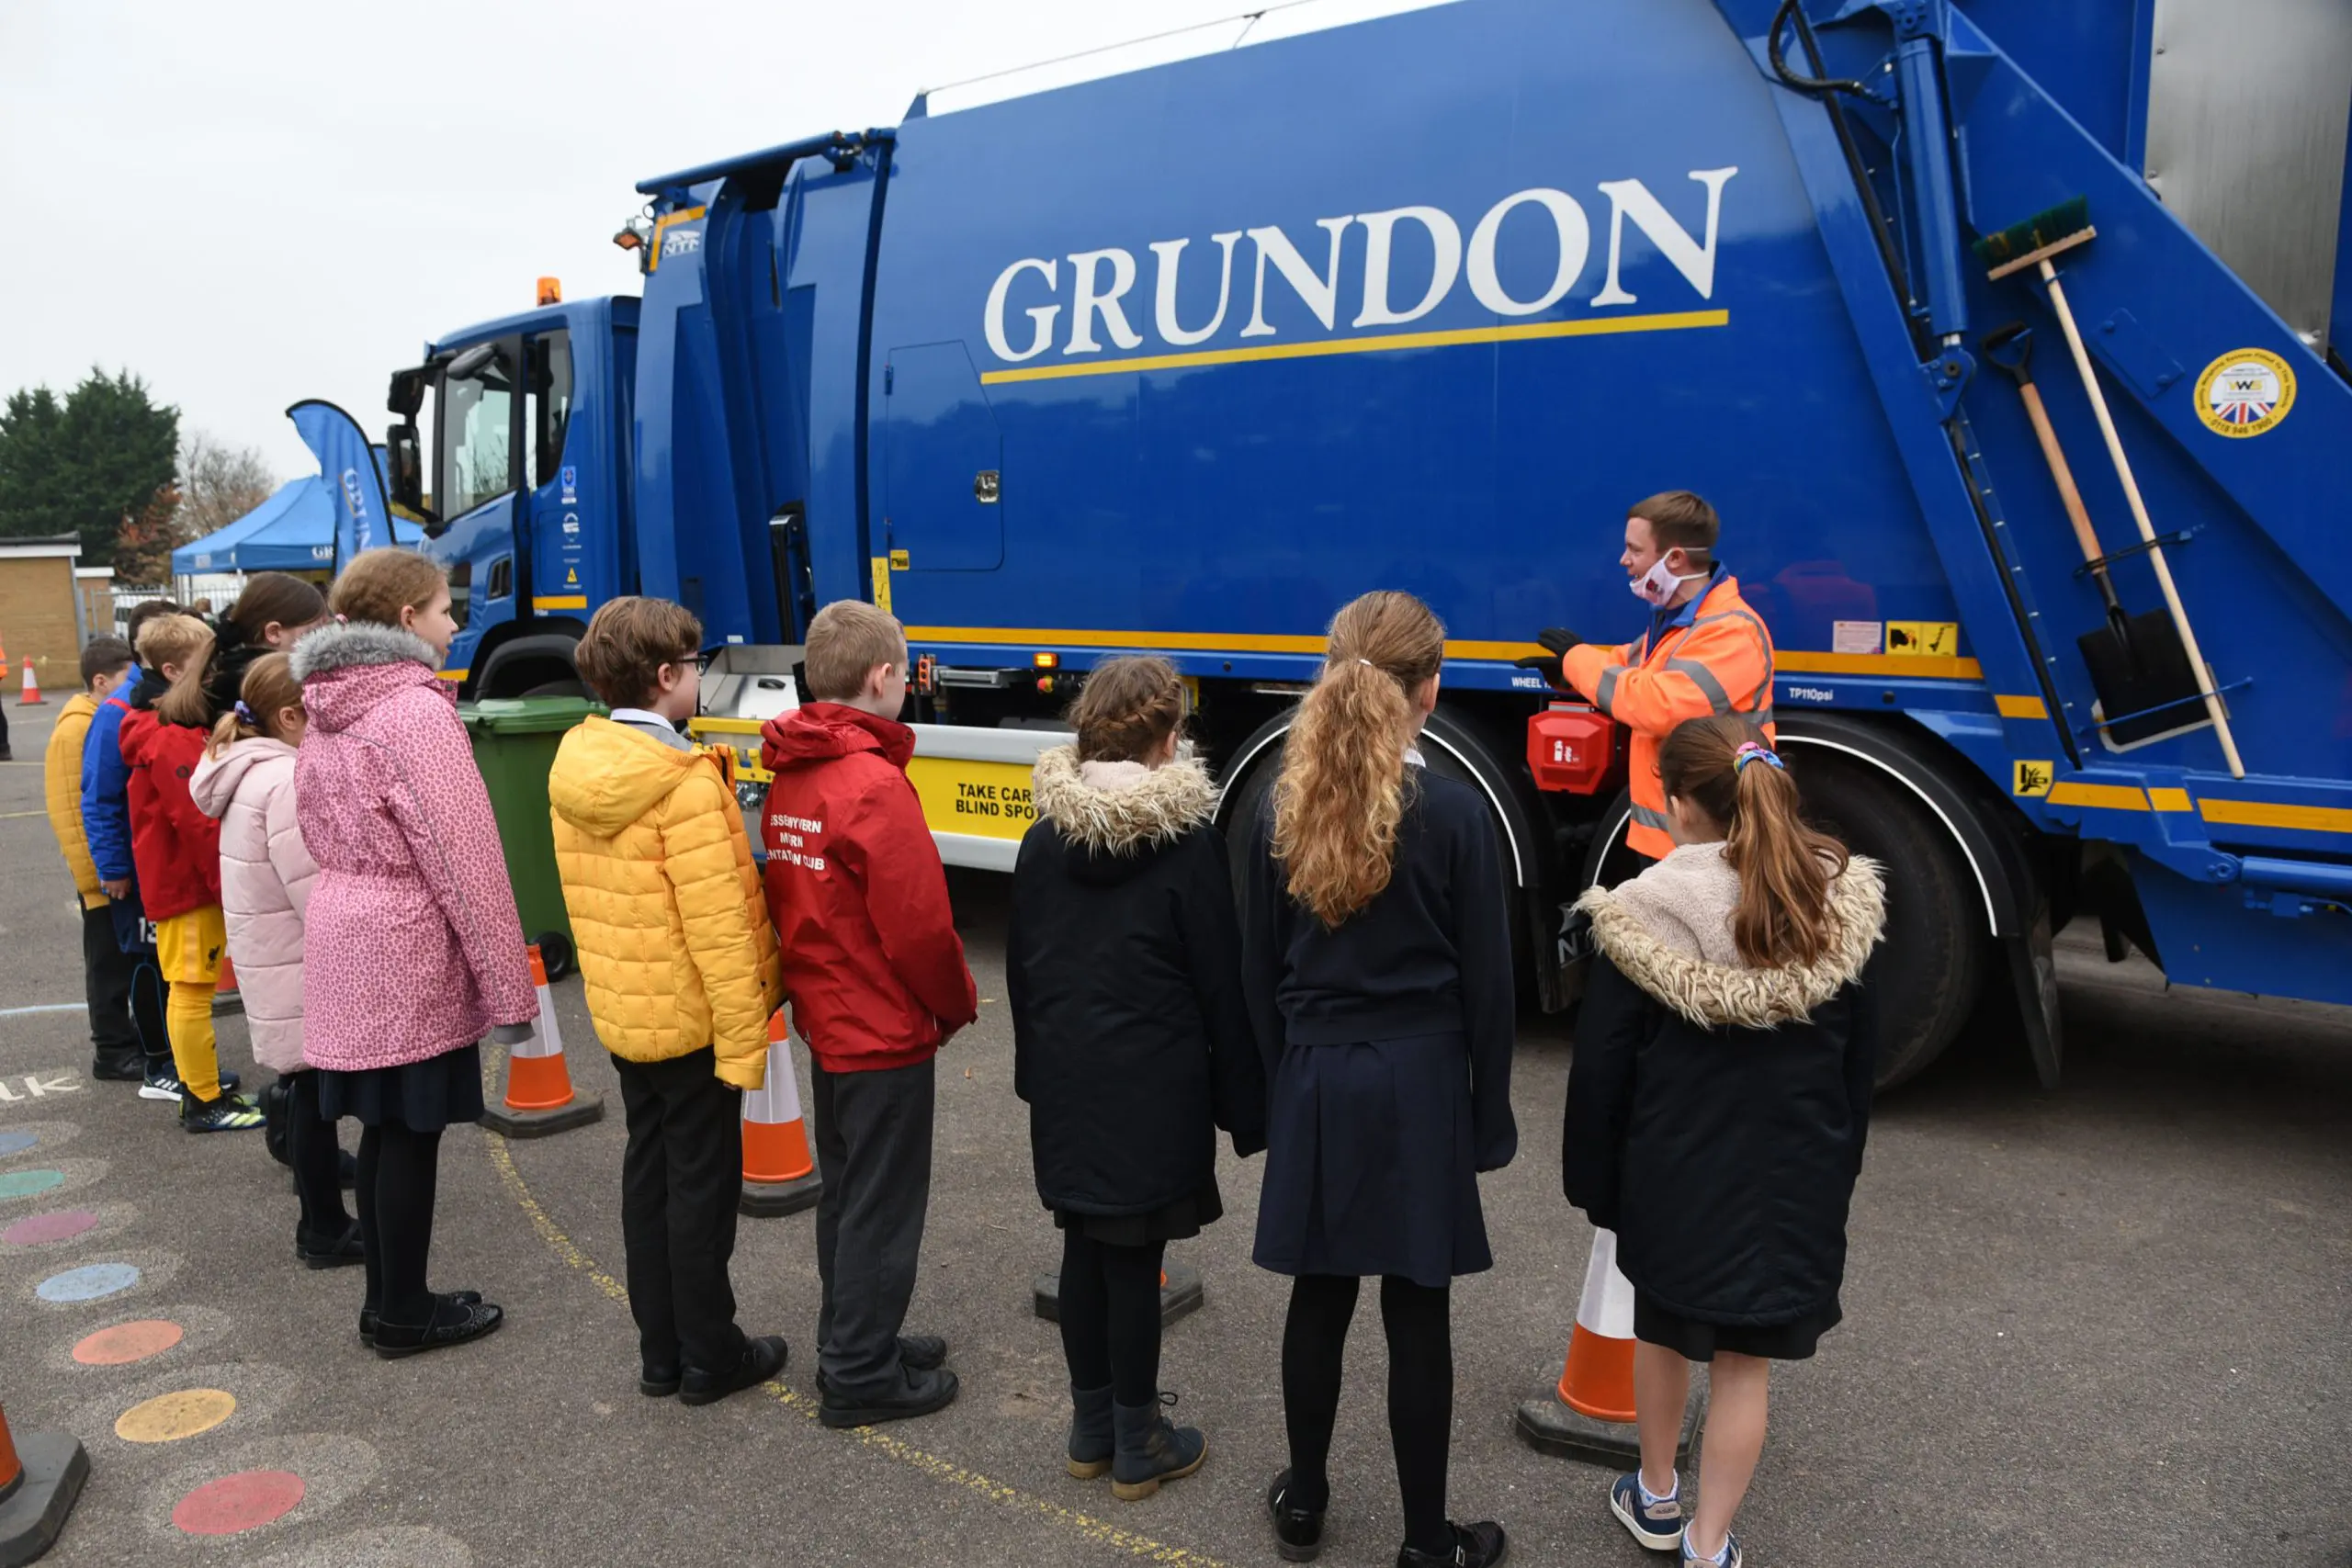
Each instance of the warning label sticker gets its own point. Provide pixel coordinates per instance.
(1855, 637)
(1923, 639)
(2245, 393)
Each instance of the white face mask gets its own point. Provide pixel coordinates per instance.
(1657, 585)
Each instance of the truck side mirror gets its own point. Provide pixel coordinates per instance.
(408, 393)
(404, 456)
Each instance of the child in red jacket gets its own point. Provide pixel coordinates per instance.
(176, 851)
(874, 973)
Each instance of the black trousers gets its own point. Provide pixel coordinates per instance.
(1110, 1316)
(125, 994)
(312, 1150)
(680, 1182)
(1420, 1393)
(873, 1152)
(398, 1169)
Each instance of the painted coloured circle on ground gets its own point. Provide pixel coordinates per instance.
(333, 1468)
(90, 1282)
(169, 1418)
(58, 1224)
(128, 1342)
(16, 1143)
(237, 1503)
(25, 1183)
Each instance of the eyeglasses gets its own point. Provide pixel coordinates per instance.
(703, 662)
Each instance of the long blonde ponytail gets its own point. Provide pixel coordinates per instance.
(1343, 786)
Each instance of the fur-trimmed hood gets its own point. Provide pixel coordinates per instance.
(347, 645)
(1121, 809)
(350, 668)
(1648, 948)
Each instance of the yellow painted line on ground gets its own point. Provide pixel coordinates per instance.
(5, 816)
(1391, 343)
(2109, 797)
(2268, 814)
(1100, 1531)
(2020, 707)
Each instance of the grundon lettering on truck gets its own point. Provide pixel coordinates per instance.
(1087, 309)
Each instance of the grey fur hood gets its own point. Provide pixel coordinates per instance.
(1646, 928)
(1149, 807)
(349, 645)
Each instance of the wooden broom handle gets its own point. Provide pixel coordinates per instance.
(2140, 516)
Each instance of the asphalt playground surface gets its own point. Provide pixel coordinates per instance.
(2108, 1324)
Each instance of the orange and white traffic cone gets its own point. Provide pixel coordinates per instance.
(779, 1176)
(225, 995)
(1180, 1292)
(1588, 1412)
(40, 1476)
(30, 697)
(539, 1098)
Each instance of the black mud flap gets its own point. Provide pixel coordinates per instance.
(1559, 945)
(2033, 970)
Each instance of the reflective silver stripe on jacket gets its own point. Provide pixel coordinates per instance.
(1604, 695)
(1704, 679)
(1648, 818)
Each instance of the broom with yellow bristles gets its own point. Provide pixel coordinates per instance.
(2032, 243)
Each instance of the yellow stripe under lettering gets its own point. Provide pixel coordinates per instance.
(2022, 707)
(1677, 321)
(2268, 814)
(2109, 797)
(2170, 800)
(1499, 652)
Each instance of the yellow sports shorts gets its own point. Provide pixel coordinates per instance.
(189, 946)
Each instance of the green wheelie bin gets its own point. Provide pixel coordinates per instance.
(514, 743)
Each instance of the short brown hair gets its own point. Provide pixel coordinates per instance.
(846, 640)
(104, 656)
(1127, 708)
(276, 596)
(144, 612)
(628, 641)
(188, 642)
(1679, 519)
(380, 584)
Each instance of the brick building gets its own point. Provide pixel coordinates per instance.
(40, 612)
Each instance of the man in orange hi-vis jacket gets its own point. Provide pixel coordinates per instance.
(1705, 652)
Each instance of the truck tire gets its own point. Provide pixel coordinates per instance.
(1928, 970)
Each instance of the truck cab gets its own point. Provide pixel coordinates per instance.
(520, 484)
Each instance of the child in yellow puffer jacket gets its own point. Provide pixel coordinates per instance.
(680, 964)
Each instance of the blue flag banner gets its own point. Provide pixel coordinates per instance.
(347, 462)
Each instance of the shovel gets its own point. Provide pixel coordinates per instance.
(2137, 662)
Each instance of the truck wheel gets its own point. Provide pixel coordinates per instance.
(1927, 971)
(1608, 860)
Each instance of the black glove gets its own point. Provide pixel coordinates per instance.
(1558, 639)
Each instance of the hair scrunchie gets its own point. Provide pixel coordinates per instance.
(245, 714)
(1749, 751)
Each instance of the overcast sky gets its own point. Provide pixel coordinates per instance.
(249, 202)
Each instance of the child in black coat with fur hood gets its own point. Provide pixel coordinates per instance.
(1717, 1105)
(1132, 1046)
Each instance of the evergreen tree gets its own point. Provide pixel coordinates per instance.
(103, 459)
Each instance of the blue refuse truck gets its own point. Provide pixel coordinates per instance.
(1182, 359)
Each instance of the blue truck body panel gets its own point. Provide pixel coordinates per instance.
(1184, 359)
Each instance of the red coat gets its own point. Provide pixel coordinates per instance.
(872, 963)
(176, 848)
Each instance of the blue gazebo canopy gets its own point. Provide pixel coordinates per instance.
(292, 531)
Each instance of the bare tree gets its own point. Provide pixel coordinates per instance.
(220, 484)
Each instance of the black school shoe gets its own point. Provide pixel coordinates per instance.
(763, 1359)
(923, 1392)
(917, 1353)
(1298, 1533)
(1482, 1545)
(370, 1322)
(656, 1381)
(315, 1251)
(121, 1067)
(454, 1322)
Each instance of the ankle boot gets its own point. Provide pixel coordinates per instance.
(1090, 1442)
(1151, 1450)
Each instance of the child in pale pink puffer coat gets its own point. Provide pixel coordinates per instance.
(247, 780)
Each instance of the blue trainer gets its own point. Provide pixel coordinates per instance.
(1730, 1558)
(1659, 1525)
